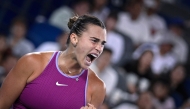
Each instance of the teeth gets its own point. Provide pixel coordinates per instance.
(94, 55)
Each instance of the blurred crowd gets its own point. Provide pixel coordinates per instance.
(143, 62)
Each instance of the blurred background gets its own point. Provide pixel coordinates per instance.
(146, 60)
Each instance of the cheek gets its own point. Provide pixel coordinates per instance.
(85, 46)
(82, 49)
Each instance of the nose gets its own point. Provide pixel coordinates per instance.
(99, 48)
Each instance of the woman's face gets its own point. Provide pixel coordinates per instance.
(160, 90)
(90, 45)
(178, 74)
(18, 30)
(110, 23)
(145, 100)
(135, 10)
(146, 58)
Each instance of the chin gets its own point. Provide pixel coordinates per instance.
(84, 66)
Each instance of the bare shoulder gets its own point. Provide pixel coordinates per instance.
(37, 57)
(36, 62)
(26, 69)
(32, 64)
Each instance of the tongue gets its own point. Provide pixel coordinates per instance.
(88, 59)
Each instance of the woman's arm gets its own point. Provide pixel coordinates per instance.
(16, 80)
(98, 89)
(98, 94)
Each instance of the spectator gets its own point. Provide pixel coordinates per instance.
(60, 16)
(140, 71)
(156, 23)
(133, 24)
(161, 98)
(179, 85)
(116, 5)
(164, 59)
(99, 9)
(115, 41)
(176, 32)
(145, 101)
(17, 41)
(9, 60)
(54, 46)
(105, 71)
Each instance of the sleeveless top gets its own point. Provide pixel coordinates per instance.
(53, 89)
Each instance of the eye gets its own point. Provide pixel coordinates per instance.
(103, 43)
(94, 40)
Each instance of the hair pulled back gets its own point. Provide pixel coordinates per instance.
(78, 24)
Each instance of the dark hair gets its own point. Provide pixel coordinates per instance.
(113, 14)
(161, 80)
(106, 49)
(78, 24)
(132, 2)
(76, 2)
(19, 20)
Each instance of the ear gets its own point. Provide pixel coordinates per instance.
(74, 39)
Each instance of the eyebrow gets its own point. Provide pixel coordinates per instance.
(103, 42)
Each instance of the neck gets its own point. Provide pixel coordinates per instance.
(73, 68)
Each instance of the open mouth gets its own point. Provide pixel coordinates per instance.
(91, 57)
